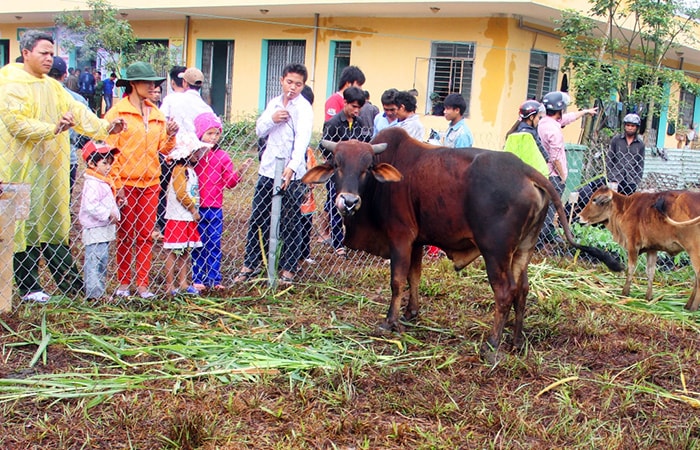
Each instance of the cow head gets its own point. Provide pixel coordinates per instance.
(352, 165)
(599, 207)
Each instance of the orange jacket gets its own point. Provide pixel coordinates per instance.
(137, 163)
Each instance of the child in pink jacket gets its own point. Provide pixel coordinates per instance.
(98, 215)
(216, 173)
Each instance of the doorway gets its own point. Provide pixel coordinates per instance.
(217, 67)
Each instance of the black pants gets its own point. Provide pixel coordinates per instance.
(290, 224)
(61, 266)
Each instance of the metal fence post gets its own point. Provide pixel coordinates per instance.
(275, 214)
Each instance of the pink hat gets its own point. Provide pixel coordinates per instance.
(204, 122)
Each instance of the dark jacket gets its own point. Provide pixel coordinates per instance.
(337, 129)
(625, 164)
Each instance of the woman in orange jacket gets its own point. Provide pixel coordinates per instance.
(136, 173)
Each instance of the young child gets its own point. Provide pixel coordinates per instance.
(216, 173)
(182, 214)
(98, 215)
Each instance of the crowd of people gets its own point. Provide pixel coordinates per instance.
(155, 172)
(121, 187)
(97, 92)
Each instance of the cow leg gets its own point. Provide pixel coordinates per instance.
(694, 300)
(520, 298)
(651, 270)
(400, 263)
(632, 255)
(504, 287)
(414, 272)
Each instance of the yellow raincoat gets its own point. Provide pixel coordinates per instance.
(30, 152)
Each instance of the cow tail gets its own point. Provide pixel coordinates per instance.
(661, 205)
(606, 257)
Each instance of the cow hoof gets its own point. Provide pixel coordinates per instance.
(410, 315)
(518, 345)
(488, 354)
(386, 328)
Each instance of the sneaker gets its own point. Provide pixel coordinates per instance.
(122, 293)
(310, 261)
(146, 295)
(38, 297)
(174, 292)
(191, 290)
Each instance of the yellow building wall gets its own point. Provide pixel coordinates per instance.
(393, 53)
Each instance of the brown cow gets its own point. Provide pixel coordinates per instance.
(400, 194)
(646, 222)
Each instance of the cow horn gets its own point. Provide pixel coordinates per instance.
(378, 148)
(330, 145)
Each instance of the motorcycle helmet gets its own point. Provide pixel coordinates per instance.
(633, 119)
(555, 101)
(529, 108)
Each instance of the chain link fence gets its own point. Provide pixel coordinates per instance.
(59, 268)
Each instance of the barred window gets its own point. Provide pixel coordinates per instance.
(279, 54)
(340, 55)
(542, 77)
(686, 108)
(451, 71)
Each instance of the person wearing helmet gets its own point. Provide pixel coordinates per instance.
(549, 130)
(624, 163)
(524, 142)
(625, 159)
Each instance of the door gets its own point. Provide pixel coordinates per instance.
(217, 67)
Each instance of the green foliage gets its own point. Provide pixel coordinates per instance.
(159, 56)
(596, 237)
(239, 134)
(625, 56)
(113, 38)
(102, 30)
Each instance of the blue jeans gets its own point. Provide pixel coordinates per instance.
(206, 260)
(290, 224)
(95, 269)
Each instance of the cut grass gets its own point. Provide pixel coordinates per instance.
(304, 369)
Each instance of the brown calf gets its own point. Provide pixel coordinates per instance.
(647, 223)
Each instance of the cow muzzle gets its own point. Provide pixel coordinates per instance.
(347, 204)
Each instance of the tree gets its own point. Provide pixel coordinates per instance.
(619, 48)
(111, 37)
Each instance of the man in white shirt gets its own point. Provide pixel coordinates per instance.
(287, 122)
(183, 106)
(406, 114)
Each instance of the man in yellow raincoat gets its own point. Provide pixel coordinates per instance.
(35, 115)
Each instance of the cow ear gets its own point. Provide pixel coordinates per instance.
(603, 199)
(318, 174)
(384, 173)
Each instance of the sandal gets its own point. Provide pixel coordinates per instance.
(286, 280)
(286, 277)
(191, 290)
(245, 275)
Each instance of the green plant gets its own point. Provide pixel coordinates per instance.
(239, 134)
